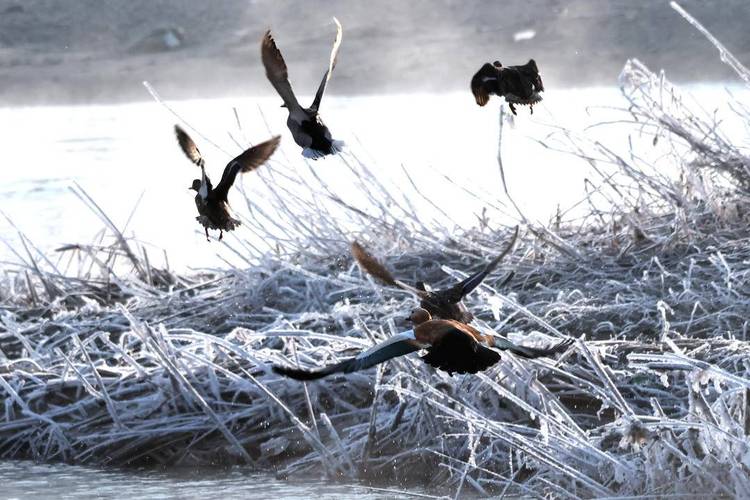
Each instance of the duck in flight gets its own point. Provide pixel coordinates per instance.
(451, 346)
(305, 124)
(518, 84)
(445, 304)
(212, 204)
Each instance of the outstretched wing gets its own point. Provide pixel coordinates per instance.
(188, 146)
(515, 86)
(277, 73)
(331, 64)
(396, 346)
(461, 289)
(249, 160)
(371, 265)
(530, 71)
(374, 268)
(483, 83)
(532, 352)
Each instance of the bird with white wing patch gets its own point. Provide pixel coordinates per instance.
(305, 124)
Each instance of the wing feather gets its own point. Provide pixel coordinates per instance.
(465, 287)
(396, 346)
(513, 81)
(371, 265)
(375, 268)
(531, 72)
(188, 146)
(331, 64)
(532, 352)
(277, 74)
(250, 159)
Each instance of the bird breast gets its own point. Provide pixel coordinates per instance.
(432, 332)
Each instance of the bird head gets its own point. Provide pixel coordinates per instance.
(196, 185)
(419, 316)
(497, 64)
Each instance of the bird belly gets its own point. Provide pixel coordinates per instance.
(513, 98)
(215, 216)
(300, 136)
(463, 357)
(317, 136)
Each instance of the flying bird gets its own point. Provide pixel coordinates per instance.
(211, 202)
(451, 346)
(518, 84)
(445, 304)
(306, 125)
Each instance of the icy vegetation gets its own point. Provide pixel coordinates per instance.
(107, 360)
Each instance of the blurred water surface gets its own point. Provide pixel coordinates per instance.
(448, 145)
(27, 480)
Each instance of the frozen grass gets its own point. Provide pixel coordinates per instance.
(107, 360)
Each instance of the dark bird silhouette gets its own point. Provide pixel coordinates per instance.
(307, 127)
(518, 84)
(444, 304)
(211, 202)
(451, 346)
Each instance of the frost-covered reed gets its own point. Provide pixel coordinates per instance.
(107, 360)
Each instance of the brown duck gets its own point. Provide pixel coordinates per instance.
(451, 346)
(518, 84)
(445, 304)
(211, 202)
(305, 124)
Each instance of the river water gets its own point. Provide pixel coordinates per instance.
(120, 153)
(27, 480)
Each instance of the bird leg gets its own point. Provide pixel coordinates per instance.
(512, 108)
(531, 108)
(207, 238)
(221, 234)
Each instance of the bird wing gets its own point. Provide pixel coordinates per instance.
(373, 267)
(531, 72)
(484, 82)
(513, 81)
(461, 289)
(531, 352)
(277, 74)
(398, 345)
(250, 159)
(188, 146)
(331, 64)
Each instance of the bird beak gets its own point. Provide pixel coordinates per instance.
(283, 105)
